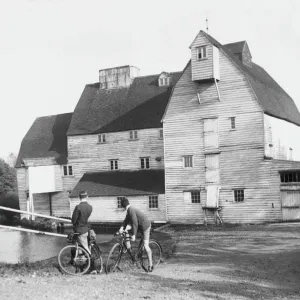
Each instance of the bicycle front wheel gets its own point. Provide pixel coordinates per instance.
(74, 260)
(113, 258)
(156, 255)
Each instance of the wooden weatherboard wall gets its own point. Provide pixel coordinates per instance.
(105, 209)
(241, 150)
(86, 154)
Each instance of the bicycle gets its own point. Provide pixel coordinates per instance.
(75, 260)
(118, 249)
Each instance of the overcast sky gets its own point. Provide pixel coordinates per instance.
(49, 50)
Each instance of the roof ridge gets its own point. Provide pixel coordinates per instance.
(40, 117)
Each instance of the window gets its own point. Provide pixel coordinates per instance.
(153, 201)
(232, 122)
(161, 134)
(145, 163)
(188, 161)
(119, 202)
(101, 138)
(238, 195)
(164, 81)
(290, 176)
(195, 195)
(68, 170)
(133, 135)
(201, 53)
(114, 164)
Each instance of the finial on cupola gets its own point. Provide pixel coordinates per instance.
(206, 25)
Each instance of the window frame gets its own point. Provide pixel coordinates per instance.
(133, 135)
(232, 123)
(143, 161)
(191, 157)
(195, 201)
(160, 134)
(101, 138)
(119, 198)
(153, 203)
(114, 164)
(202, 50)
(69, 170)
(236, 195)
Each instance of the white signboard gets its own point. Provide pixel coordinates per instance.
(42, 179)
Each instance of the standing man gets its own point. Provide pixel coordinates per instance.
(137, 220)
(80, 218)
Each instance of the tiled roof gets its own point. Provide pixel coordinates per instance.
(139, 106)
(46, 138)
(121, 183)
(272, 98)
(236, 47)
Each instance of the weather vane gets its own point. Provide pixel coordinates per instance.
(206, 24)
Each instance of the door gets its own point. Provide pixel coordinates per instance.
(212, 178)
(210, 133)
(290, 205)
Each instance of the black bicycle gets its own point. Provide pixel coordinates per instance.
(75, 260)
(116, 253)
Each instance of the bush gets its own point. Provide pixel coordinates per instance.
(42, 224)
(10, 200)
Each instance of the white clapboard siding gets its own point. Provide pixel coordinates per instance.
(241, 158)
(105, 209)
(22, 187)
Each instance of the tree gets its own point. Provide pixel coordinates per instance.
(11, 159)
(8, 178)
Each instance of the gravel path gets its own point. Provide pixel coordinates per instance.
(247, 262)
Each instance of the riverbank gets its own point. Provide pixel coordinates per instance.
(237, 262)
(49, 267)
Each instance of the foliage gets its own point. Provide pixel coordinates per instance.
(42, 224)
(10, 200)
(8, 178)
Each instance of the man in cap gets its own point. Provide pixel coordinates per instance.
(137, 220)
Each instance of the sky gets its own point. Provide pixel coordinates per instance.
(49, 49)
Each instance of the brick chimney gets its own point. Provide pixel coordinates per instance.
(118, 77)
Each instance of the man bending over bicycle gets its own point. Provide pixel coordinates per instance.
(138, 220)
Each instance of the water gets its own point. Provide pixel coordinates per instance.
(20, 247)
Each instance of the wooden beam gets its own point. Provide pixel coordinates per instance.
(33, 231)
(35, 214)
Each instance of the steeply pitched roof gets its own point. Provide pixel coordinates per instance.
(272, 98)
(46, 138)
(122, 183)
(139, 106)
(236, 47)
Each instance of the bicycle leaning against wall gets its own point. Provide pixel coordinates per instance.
(116, 253)
(75, 260)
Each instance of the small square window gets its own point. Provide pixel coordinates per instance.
(153, 201)
(101, 138)
(188, 161)
(232, 122)
(114, 164)
(119, 202)
(195, 196)
(133, 135)
(238, 195)
(201, 53)
(68, 170)
(145, 163)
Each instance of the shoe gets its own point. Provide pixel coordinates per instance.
(150, 269)
(94, 272)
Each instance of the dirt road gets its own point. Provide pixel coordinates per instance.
(247, 262)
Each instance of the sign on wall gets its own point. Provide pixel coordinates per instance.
(42, 179)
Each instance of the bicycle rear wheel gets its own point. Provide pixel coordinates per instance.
(156, 255)
(113, 258)
(74, 260)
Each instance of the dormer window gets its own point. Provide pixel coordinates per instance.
(201, 53)
(164, 81)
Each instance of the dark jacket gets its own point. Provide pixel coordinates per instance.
(137, 219)
(80, 217)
